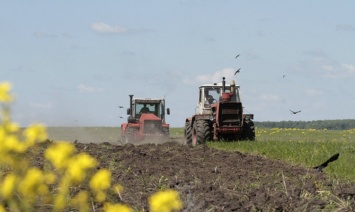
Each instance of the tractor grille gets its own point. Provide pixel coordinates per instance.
(152, 127)
(230, 114)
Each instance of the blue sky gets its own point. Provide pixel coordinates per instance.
(72, 63)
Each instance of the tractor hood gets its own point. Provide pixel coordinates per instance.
(148, 116)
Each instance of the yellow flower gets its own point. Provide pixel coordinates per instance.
(3, 133)
(81, 201)
(101, 180)
(59, 154)
(109, 207)
(5, 95)
(78, 166)
(100, 196)
(35, 132)
(50, 178)
(2, 209)
(12, 143)
(165, 201)
(8, 185)
(10, 127)
(33, 183)
(59, 202)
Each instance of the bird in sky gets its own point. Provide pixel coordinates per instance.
(120, 106)
(237, 56)
(121, 117)
(283, 76)
(325, 164)
(237, 71)
(295, 112)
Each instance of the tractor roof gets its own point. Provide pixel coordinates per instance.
(147, 100)
(217, 85)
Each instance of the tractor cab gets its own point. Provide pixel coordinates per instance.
(141, 106)
(210, 94)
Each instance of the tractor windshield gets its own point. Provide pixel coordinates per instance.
(147, 108)
(213, 94)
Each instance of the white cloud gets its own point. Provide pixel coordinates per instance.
(341, 70)
(87, 89)
(319, 63)
(104, 28)
(348, 68)
(228, 73)
(327, 67)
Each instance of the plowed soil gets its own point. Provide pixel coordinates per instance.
(213, 180)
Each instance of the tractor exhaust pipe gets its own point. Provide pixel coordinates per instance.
(226, 97)
(130, 104)
(223, 84)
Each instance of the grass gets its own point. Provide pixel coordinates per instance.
(307, 148)
(176, 132)
(85, 134)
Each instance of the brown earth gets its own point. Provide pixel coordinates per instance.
(213, 180)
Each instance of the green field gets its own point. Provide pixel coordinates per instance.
(304, 147)
(85, 134)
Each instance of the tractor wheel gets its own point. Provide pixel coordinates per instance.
(130, 135)
(188, 134)
(248, 132)
(202, 132)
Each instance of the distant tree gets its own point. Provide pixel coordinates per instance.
(339, 124)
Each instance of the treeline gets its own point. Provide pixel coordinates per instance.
(343, 124)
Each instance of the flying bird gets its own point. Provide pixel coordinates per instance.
(121, 117)
(237, 71)
(295, 112)
(325, 164)
(120, 106)
(237, 56)
(283, 76)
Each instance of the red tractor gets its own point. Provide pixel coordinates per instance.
(146, 120)
(219, 116)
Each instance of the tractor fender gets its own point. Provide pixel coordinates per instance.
(123, 128)
(188, 120)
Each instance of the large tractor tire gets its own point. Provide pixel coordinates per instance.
(248, 132)
(188, 133)
(202, 132)
(130, 135)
